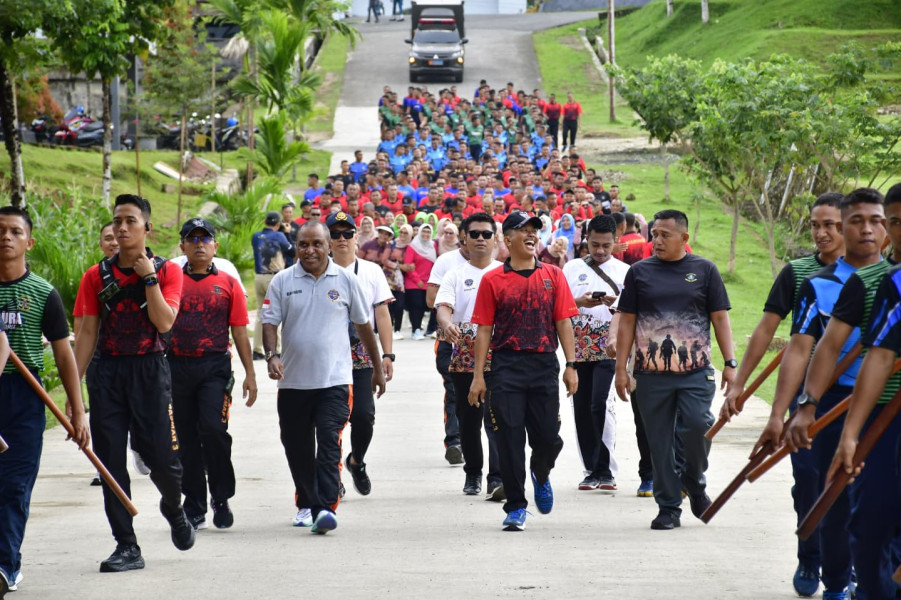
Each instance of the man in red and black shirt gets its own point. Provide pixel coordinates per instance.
(521, 310)
(202, 378)
(552, 111)
(572, 111)
(129, 302)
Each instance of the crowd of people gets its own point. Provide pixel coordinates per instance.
(470, 221)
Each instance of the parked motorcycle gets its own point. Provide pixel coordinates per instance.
(44, 128)
(73, 121)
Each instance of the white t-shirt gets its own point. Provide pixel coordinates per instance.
(459, 288)
(591, 325)
(375, 289)
(445, 263)
(223, 264)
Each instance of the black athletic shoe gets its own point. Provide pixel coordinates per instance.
(182, 532)
(259, 356)
(127, 557)
(666, 520)
(454, 455)
(699, 503)
(473, 485)
(496, 492)
(96, 481)
(590, 483)
(223, 518)
(358, 472)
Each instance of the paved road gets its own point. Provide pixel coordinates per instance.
(499, 50)
(417, 535)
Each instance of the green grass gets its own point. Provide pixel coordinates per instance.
(566, 66)
(809, 29)
(51, 169)
(330, 64)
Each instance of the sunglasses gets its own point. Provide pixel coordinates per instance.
(206, 239)
(485, 235)
(315, 215)
(347, 234)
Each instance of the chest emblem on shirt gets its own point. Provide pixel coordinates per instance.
(217, 290)
(23, 303)
(468, 283)
(691, 277)
(583, 277)
(333, 295)
(548, 285)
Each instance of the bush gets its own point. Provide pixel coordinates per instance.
(66, 232)
(244, 215)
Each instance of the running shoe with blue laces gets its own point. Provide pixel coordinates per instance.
(544, 495)
(806, 580)
(516, 520)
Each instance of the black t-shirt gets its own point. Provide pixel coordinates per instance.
(383, 210)
(673, 299)
(781, 299)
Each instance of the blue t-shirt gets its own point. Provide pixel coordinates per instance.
(359, 170)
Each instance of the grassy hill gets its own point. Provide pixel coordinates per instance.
(809, 29)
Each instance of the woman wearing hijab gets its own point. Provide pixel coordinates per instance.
(555, 253)
(450, 238)
(431, 219)
(568, 230)
(546, 235)
(366, 233)
(399, 221)
(396, 283)
(420, 255)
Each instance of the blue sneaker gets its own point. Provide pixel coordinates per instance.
(516, 520)
(646, 489)
(325, 522)
(544, 495)
(806, 580)
(842, 595)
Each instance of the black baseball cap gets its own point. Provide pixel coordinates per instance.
(340, 218)
(273, 218)
(519, 219)
(198, 223)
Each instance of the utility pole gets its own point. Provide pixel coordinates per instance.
(611, 46)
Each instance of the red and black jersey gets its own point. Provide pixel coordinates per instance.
(210, 304)
(524, 307)
(127, 329)
(553, 110)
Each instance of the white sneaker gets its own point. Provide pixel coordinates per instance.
(434, 335)
(418, 335)
(139, 464)
(16, 580)
(398, 335)
(303, 518)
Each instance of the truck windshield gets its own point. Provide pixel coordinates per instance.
(435, 36)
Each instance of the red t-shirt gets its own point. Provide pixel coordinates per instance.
(524, 310)
(571, 111)
(210, 304)
(128, 331)
(635, 250)
(552, 111)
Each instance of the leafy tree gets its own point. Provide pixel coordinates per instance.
(663, 93)
(273, 154)
(176, 78)
(21, 52)
(96, 41)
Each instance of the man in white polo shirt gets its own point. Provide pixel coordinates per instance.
(315, 301)
(595, 282)
(455, 300)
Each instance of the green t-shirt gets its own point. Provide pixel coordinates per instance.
(30, 307)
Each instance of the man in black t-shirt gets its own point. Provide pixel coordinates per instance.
(681, 294)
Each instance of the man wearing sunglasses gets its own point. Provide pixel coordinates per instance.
(202, 377)
(343, 244)
(455, 300)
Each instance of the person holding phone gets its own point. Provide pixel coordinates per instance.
(595, 282)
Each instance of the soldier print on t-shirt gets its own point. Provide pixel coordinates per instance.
(672, 301)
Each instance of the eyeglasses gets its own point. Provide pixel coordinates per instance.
(485, 235)
(347, 234)
(206, 239)
(315, 215)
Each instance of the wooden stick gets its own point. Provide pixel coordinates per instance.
(897, 576)
(740, 402)
(3, 445)
(816, 427)
(101, 469)
(736, 483)
(835, 487)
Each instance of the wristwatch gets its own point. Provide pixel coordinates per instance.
(391, 356)
(805, 399)
(571, 364)
(151, 280)
(269, 355)
(731, 363)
